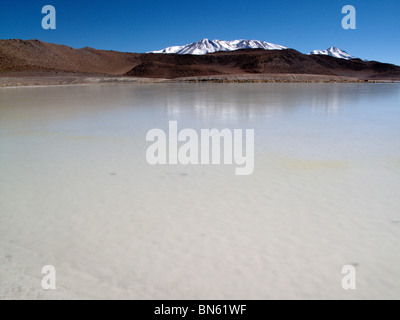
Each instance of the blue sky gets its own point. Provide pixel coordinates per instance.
(140, 26)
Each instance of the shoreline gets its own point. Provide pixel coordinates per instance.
(13, 80)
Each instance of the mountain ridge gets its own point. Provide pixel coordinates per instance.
(206, 46)
(35, 56)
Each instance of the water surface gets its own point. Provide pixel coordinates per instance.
(76, 192)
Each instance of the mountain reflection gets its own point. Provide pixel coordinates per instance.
(249, 101)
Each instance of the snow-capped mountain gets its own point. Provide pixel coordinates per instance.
(333, 52)
(209, 46)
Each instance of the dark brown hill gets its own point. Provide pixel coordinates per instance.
(35, 55)
(258, 62)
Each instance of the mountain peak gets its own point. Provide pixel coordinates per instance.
(333, 52)
(206, 46)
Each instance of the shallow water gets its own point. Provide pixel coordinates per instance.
(77, 193)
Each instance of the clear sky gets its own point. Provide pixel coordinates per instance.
(140, 26)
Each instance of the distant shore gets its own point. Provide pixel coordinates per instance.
(20, 79)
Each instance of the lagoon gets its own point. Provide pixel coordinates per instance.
(77, 192)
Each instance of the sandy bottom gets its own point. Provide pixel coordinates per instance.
(77, 193)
